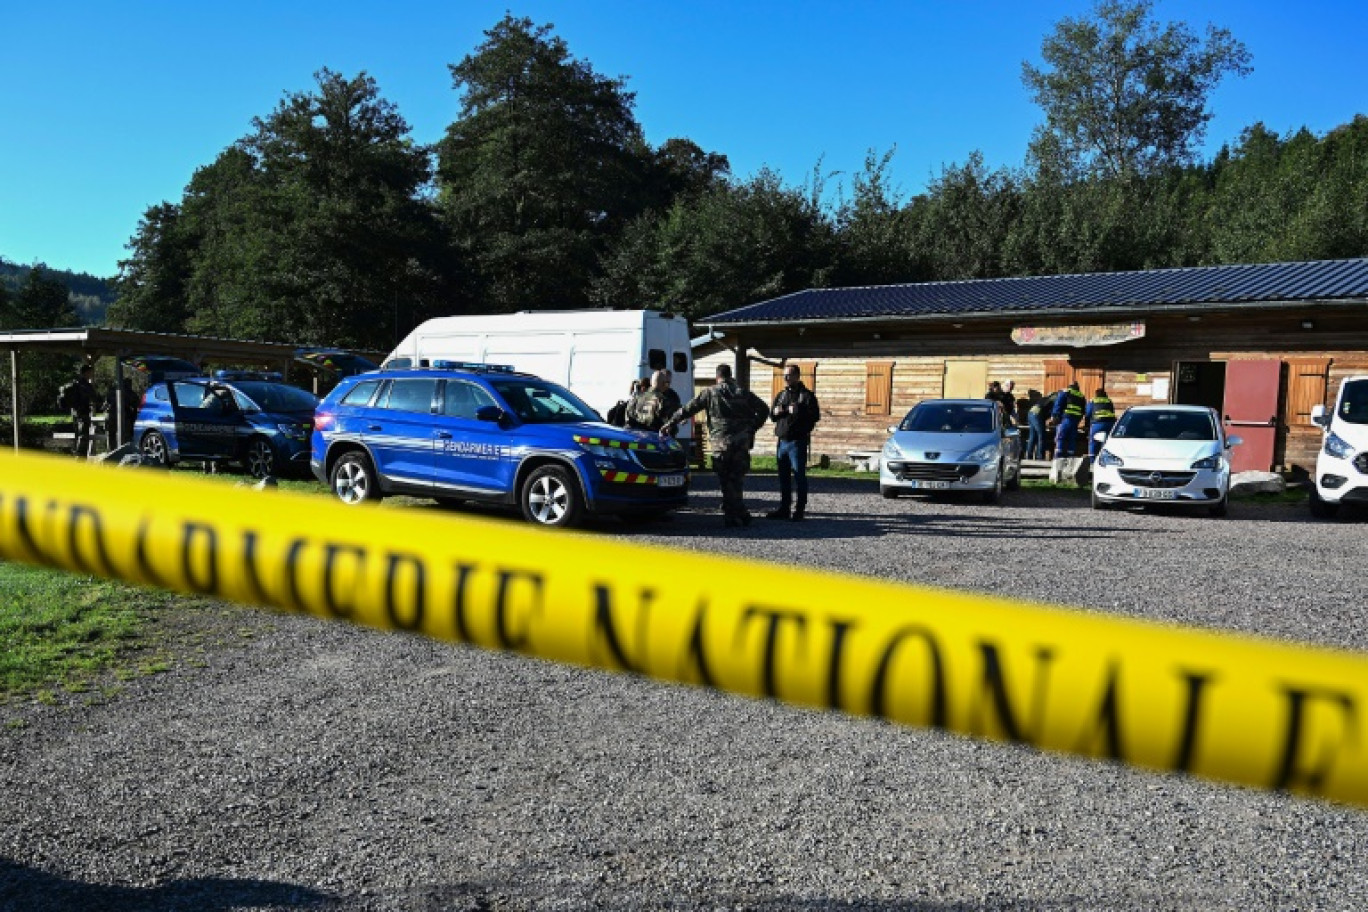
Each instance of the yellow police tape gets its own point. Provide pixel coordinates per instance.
(1242, 710)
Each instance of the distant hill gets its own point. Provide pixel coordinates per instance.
(90, 296)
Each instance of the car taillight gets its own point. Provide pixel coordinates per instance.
(322, 422)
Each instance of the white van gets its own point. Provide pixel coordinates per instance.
(596, 354)
(1342, 464)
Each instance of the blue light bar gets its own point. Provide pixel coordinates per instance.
(473, 366)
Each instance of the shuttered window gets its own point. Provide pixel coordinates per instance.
(878, 387)
(1057, 373)
(1307, 382)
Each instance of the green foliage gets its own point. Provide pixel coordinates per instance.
(730, 246)
(1124, 97)
(327, 224)
(312, 229)
(89, 296)
(544, 166)
(42, 302)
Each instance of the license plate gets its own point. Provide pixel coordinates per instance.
(1156, 493)
(930, 485)
(670, 481)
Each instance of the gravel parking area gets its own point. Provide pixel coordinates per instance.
(287, 763)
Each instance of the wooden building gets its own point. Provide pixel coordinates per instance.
(1261, 343)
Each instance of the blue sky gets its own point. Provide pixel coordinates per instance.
(108, 108)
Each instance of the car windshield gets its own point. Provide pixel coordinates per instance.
(950, 418)
(278, 397)
(1165, 425)
(1353, 404)
(539, 402)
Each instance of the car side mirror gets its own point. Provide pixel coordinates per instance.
(489, 413)
(892, 429)
(1233, 442)
(1318, 416)
(1100, 436)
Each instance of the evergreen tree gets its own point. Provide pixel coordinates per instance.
(544, 167)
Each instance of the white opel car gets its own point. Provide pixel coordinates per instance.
(1165, 454)
(1342, 464)
(949, 445)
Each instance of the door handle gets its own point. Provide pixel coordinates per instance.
(443, 435)
(372, 427)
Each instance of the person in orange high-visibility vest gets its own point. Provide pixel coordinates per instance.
(1101, 415)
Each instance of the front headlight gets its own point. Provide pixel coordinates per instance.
(1338, 447)
(293, 431)
(891, 450)
(986, 453)
(600, 450)
(1211, 462)
(1108, 459)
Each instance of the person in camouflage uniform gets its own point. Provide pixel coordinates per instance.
(648, 409)
(734, 415)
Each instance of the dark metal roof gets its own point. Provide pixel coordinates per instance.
(1149, 290)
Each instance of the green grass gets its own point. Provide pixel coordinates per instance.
(59, 630)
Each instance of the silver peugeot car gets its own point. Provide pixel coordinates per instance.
(950, 445)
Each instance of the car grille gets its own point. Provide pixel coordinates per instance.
(1155, 479)
(665, 461)
(933, 471)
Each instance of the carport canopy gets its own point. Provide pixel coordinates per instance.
(95, 342)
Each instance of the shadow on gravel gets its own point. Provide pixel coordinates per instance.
(30, 890)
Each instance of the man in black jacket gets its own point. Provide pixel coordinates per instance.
(795, 412)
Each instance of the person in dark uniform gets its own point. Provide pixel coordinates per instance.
(734, 415)
(1068, 412)
(1100, 416)
(795, 412)
(81, 400)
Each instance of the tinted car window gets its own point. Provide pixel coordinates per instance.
(463, 399)
(361, 393)
(410, 395)
(1158, 425)
(1353, 406)
(951, 419)
(540, 402)
(681, 363)
(656, 359)
(278, 397)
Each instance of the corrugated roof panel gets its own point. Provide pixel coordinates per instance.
(1326, 280)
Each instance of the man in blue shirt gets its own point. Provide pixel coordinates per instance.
(1068, 412)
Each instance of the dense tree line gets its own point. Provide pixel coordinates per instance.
(329, 224)
(39, 301)
(89, 295)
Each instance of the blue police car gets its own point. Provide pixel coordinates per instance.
(478, 432)
(244, 416)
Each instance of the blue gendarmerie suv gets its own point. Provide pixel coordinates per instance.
(457, 431)
(243, 416)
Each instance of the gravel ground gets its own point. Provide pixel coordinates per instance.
(286, 763)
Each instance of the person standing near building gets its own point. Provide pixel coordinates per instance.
(1036, 417)
(1100, 417)
(795, 412)
(79, 398)
(734, 415)
(648, 410)
(1068, 412)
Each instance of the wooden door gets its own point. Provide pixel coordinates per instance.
(1251, 412)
